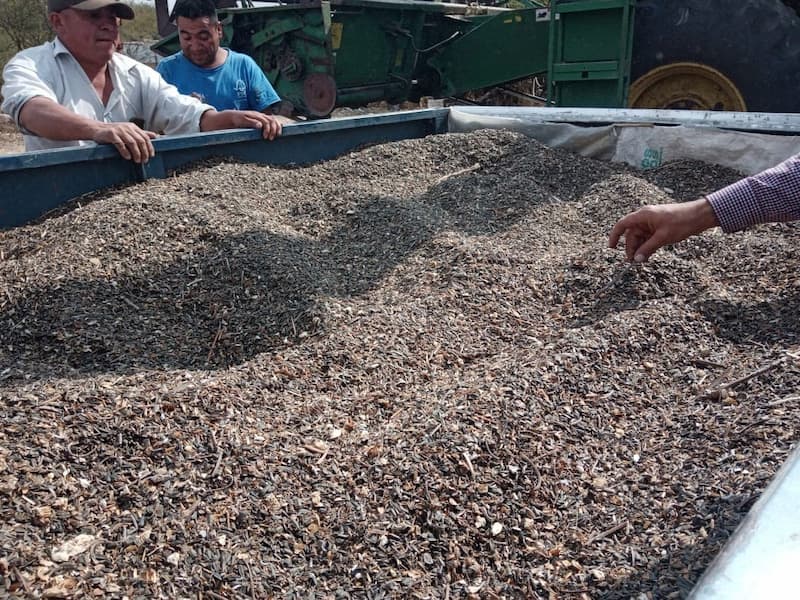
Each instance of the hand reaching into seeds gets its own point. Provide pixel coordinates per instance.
(771, 196)
(651, 227)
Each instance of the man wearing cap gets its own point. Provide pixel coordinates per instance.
(77, 89)
(203, 68)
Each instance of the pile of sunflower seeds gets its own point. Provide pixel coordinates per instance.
(415, 371)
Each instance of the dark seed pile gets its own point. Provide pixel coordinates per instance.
(415, 371)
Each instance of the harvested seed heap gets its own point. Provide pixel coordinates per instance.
(411, 372)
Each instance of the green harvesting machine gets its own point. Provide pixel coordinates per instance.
(325, 54)
(667, 54)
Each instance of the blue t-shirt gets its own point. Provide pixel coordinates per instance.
(238, 83)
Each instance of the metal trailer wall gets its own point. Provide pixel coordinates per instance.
(34, 183)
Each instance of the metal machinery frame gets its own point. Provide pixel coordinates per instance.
(327, 53)
(589, 52)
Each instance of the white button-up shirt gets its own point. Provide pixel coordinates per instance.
(139, 92)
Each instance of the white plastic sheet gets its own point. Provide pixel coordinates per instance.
(648, 143)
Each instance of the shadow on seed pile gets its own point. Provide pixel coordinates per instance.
(244, 294)
(596, 285)
(243, 288)
(768, 322)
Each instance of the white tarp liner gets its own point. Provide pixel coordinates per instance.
(726, 139)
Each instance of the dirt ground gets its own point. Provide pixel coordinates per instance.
(10, 138)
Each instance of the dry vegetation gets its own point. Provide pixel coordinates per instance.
(411, 372)
(10, 137)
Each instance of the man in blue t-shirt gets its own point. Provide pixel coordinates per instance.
(217, 76)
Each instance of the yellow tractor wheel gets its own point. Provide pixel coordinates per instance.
(685, 85)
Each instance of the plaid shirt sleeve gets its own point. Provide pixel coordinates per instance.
(768, 197)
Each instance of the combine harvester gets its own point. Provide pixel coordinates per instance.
(322, 55)
(350, 52)
(682, 54)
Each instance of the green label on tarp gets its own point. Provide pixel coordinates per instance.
(652, 158)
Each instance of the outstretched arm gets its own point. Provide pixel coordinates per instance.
(770, 196)
(213, 120)
(48, 119)
(651, 227)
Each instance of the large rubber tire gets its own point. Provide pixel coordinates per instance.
(754, 43)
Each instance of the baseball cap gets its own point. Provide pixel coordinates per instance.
(123, 10)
